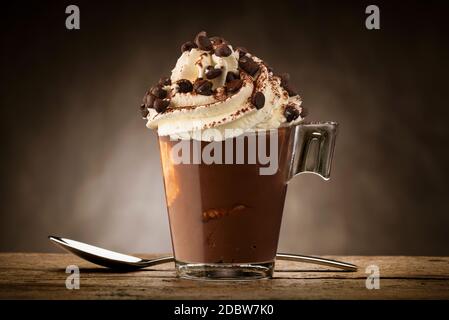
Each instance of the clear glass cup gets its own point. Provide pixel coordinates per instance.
(225, 198)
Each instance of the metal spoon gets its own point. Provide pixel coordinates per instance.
(120, 261)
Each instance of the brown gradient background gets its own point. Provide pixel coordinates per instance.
(78, 161)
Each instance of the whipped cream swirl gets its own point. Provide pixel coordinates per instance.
(191, 114)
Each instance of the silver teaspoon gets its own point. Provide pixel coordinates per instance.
(120, 261)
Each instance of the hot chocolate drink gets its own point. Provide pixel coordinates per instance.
(224, 213)
(231, 136)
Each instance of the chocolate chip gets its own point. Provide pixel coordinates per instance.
(217, 40)
(148, 100)
(201, 33)
(203, 87)
(223, 50)
(158, 92)
(304, 112)
(184, 86)
(270, 69)
(161, 104)
(290, 90)
(242, 51)
(144, 111)
(234, 85)
(258, 100)
(203, 42)
(164, 81)
(285, 83)
(187, 46)
(212, 73)
(285, 78)
(232, 76)
(248, 65)
(291, 113)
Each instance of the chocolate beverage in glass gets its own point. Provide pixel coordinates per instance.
(231, 135)
(225, 216)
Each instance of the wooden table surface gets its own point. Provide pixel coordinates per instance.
(42, 276)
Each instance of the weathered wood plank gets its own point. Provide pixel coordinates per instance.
(42, 276)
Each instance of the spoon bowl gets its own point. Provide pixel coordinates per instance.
(106, 258)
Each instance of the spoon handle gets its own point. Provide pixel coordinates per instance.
(316, 260)
(282, 256)
(156, 261)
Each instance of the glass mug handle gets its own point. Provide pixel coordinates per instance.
(313, 149)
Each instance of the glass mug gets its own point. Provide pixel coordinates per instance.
(225, 198)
